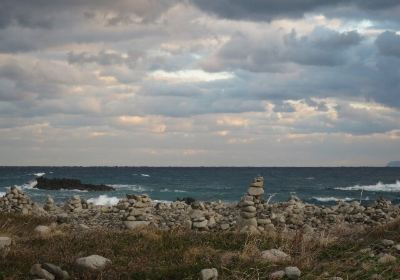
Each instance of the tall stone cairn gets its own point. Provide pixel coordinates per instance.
(16, 201)
(249, 204)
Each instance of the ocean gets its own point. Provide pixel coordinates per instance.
(315, 185)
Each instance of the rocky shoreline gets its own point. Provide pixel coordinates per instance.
(252, 214)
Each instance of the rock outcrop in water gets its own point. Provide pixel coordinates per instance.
(68, 184)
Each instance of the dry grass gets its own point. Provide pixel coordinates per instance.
(153, 254)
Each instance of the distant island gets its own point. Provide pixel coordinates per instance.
(68, 184)
(394, 164)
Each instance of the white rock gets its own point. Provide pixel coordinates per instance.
(209, 274)
(387, 242)
(42, 230)
(275, 256)
(94, 262)
(292, 272)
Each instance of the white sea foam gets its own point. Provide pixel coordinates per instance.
(332, 198)
(379, 187)
(73, 190)
(175, 191)
(29, 185)
(40, 174)
(144, 175)
(2, 194)
(135, 188)
(104, 200)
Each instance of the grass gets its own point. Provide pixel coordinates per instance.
(154, 254)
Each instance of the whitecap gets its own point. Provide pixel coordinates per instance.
(2, 194)
(175, 191)
(73, 190)
(332, 198)
(40, 174)
(28, 186)
(310, 178)
(135, 188)
(104, 200)
(379, 187)
(144, 175)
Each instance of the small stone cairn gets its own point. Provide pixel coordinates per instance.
(76, 204)
(249, 204)
(135, 210)
(198, 216)
(50, 206)
(16, 201)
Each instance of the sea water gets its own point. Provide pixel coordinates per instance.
(315, 185)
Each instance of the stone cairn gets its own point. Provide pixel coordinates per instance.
(76, 204)
(49, 205)
(16, 201)
(135, 210)
(249, 204)
(198, 216)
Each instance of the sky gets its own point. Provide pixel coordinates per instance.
(200, 82)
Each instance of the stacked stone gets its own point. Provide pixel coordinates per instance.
(137, 210)
(50, 206)
(76, 204)
(198, 216)
(249, 204)
(16, 201)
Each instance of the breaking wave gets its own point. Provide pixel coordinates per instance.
(175, 191)
(40, 174)
(28, 186)
(2, 194)
(332, 198)
(144, 175)
(379, 187)
(104, 200)
(135, 188)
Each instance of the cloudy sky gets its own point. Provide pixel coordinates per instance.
(199, 82)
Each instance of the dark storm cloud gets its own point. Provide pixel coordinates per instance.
(272, 9)
(323, 47)
(389, 44)
(47, 13)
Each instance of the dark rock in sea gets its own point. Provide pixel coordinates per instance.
(393, 164)
(68, 184)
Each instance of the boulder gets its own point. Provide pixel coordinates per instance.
(135, 224)
(93, 262)
(38, 271)
(209, 274)
(56, 271)
(292, 272)
(275, 256)
(42, 231)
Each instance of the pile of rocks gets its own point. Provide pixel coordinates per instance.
(249, 204)
(16, 201)
(76, 204)
(50, 206)
(135, 210)
(197, 216)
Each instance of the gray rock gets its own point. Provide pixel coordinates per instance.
(42, 230)
(5, 244)
(277, 275)
(292, 272)
(56, 271)
(135, 224)
(202, 224)
(37, 270)
(93, 262)
(387, 242)
(275, 256)
(209, 274)
(255, 191)
(387, 258)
